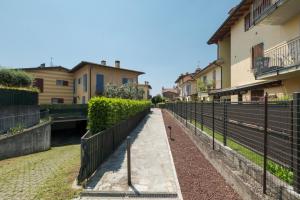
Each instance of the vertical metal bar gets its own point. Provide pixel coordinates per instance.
(186, 113)
(201, 115)
(128, 161)
(225, 124)
(265, 143)
(296, 140)
(213, 122)
(292, 135)
(195, 117)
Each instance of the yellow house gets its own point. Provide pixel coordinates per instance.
(208, 79)
(146, 88)
(186, 85)
(55, 84)
(259, 43)
(78, 85)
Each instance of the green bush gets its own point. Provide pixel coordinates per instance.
(14, 78)
(105, 112)
(161, 105)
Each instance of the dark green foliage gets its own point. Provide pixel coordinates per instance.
(105, 112)
(17, 96)
(14, 78)
(156, 99)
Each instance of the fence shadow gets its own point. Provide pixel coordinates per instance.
(115, 161)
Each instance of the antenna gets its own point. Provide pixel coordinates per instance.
(51, 61)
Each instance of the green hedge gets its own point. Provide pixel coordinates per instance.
(105, 112)
(14, 78)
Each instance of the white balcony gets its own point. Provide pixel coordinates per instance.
(275, 12)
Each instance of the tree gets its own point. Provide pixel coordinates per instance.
(126, 91)
(156, 99)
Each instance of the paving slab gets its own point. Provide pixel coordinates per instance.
(153, 170)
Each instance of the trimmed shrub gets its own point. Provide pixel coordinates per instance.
(14, 78)
(106, 112)
(161, 105)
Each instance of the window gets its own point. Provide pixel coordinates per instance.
(79, 81)
(188, 90)
(57, 100)
(74, 100)
(85, 83)
(39, 83)
(247, 22)
(62, 83)
(205, 80)
(99, 84)
(74, 86)
(83, 99)
(124, 81)
(214, 79)
(257, 52)
(257, 95)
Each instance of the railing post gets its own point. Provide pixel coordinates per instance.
(128, 161)
(186, 118)
(195, 115)
(296, 140)
(292, 134)
(265, 143)
(225, 124)
(213, 122)
(202, 115)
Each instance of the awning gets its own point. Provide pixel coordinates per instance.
(244, 88)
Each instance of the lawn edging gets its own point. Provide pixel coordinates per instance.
(242, 174)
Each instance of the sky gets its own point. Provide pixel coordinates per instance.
(162, 38)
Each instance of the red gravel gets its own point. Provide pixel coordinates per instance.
(198, 179)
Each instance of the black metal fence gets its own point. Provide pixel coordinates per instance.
(95, 149)
(266, 133)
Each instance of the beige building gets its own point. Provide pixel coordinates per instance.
(186, 85)
(146, 88)
(78, 85)
(208, 79)
(171, 94)
(259, 43)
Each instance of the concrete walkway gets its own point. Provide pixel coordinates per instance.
(153, 171)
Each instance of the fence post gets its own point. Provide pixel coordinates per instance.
(195, 115)
(201, 115)
(128, 161)
(292, 134)
(225, 124)
(296, 140)
(265, 143)
(186, 113)
(213, 121)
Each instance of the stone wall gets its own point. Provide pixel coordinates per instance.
(31, 140)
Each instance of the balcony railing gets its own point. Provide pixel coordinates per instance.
(284, 55)
(260, 7)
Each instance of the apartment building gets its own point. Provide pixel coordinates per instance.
(186, 85)
(259, 43)
(146, 87)
(209, 79)
(79, 84)
(171, 94)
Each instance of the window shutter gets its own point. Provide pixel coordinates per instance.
(257, 51)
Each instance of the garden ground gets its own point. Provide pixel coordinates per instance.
(44, 175)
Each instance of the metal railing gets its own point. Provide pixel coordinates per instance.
(284, 55)
(260, 7)
(95, 149)
(266, 133)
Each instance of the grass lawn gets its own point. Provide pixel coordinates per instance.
(280, 171)
(44, 175)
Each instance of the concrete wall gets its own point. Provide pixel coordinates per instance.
(18, 115)
(35, 139)
(51, 90)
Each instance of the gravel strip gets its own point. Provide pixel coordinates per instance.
(198, 179)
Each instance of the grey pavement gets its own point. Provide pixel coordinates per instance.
(153, 170)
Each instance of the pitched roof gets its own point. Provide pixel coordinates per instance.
(185, 77)
(83, 63)
(172, 90)
(43, 68)
(235, 14)
(215, 63)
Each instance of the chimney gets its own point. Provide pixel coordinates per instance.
(103, 62)
(146, 82)
(43, 65)
(117, 64)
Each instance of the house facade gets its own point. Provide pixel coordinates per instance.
(146, 87)
(186, 85)
(208, 79)
(171, 94)
(260, 41)
(78, 85)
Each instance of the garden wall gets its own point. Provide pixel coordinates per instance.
(34, 139)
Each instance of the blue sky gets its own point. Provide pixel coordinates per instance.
(160, 37)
